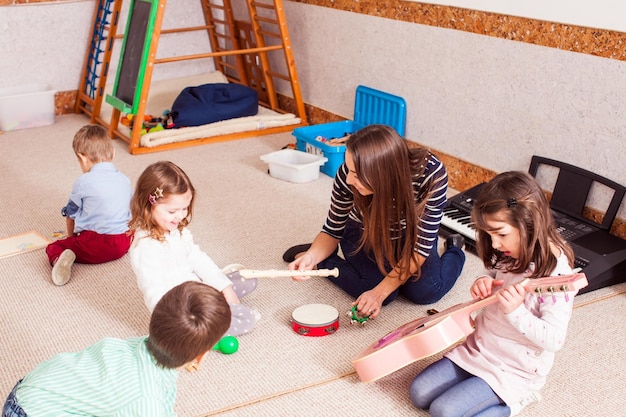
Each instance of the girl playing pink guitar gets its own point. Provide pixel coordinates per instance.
(503, 364)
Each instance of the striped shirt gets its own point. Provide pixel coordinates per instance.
(342, 205)
(112, 377)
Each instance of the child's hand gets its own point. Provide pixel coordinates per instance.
(511, 297)
(302, 263)
(483, 286)
(230, 295)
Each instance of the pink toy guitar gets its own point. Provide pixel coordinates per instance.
(427, 336)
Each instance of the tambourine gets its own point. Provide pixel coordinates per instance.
(315, 320)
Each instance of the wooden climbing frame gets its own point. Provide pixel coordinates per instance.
(247, 52)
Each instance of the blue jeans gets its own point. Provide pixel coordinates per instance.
(11, 407)
(358, 272)
(447, 390)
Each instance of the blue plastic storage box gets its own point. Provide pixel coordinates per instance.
(370, 107)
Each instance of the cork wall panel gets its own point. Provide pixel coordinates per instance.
(461, 175)
(64, 102)
(314, 114)
(597, 42)
(16, 2)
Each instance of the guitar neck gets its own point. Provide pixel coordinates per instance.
(547, 285)
(493, 297)
(466, 308)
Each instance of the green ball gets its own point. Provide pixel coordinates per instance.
(227, 345)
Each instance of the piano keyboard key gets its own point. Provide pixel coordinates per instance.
(459, 222)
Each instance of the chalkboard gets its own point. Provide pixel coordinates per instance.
(134, 56)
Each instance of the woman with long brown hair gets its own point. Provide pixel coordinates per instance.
(386, 207)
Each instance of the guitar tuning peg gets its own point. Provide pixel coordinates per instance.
(551, 289)
(565, 288)
(538, 291)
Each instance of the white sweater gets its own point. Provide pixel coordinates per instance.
(160, 266)
(514, 352)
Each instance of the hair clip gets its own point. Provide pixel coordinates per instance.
(152, 198)
(511, 202)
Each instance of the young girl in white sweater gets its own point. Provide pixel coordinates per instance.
(503, 364)
(163, 253)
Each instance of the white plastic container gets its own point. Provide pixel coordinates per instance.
(294, 166)
(26, 106)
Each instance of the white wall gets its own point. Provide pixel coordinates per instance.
(45, 43)
(488, 101)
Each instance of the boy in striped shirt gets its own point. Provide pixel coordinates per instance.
(133, 377)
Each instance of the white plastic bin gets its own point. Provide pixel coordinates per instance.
(26, 106)
(294, 166)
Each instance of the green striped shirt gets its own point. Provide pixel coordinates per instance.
(112, 377)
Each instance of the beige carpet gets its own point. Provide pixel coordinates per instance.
(245, 216)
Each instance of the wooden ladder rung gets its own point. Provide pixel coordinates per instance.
(266, 20)
(215, 5)
(271, 34)
(187, 29)
(278, 75)
(262, 5)
(214, 54)
(216, 20)
(228, 64)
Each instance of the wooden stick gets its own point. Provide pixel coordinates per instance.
(251, 273)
